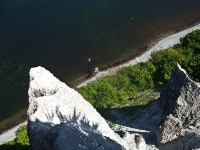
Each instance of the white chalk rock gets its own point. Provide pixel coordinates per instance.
(60, 118)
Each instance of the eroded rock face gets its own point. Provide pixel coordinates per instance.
(165, 134)
(59, 118)
(179, 105)
(190, 140)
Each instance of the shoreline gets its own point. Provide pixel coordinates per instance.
(162, 44)
(10, 134)
(142, 57)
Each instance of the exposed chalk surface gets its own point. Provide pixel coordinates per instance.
(179, 106)
(59, 118)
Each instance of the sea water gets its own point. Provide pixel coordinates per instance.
(70, 38)
(62, 35)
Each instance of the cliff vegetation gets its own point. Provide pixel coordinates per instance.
(129, 82)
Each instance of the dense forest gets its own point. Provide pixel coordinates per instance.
(128, 82)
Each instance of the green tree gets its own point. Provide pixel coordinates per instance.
(191, 42)
(131, 80)
(21, 142)
(22, 136)
(105, 95)
(100, 93)
(165, 61)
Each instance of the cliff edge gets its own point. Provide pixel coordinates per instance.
(59, 118)
(179, 105)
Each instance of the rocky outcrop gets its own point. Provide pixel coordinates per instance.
(188, 141)
(179, 105)
(169, 130)
(59, 118)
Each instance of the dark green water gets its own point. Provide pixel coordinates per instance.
(62, 35)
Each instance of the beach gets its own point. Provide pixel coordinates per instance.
(161, 45)
(10, 134)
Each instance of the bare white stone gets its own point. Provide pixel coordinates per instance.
(59, 118)
(179, 106)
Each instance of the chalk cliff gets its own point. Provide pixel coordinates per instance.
(179, 105)
(59, 118)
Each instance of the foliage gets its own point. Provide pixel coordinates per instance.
(126, 84)
(21, 142)
(186, 53)
(165, 61)
(100, 93)
(129, 81)
(136, 78)
(22, 137)
(107, 91)
(191, 42)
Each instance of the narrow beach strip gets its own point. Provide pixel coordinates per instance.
(161, 45)
(10, 134)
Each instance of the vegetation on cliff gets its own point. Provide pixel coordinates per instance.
(121, 87)
(128, 82)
